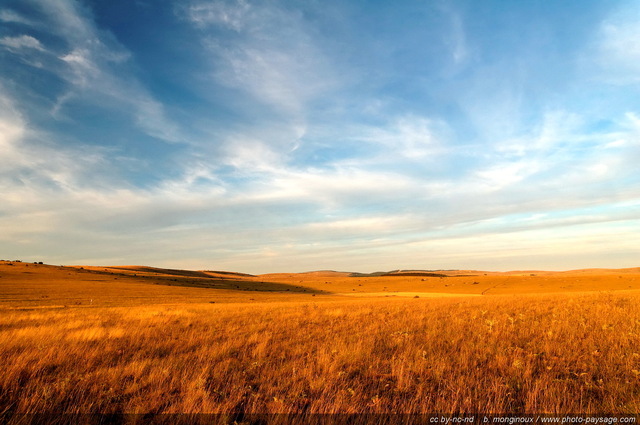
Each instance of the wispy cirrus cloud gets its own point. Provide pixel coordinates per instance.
(408, 137)
(231, 14)
(456, 37)
(21, 42)
(94, 65)
(31, 161)
(616, 46)
(8, 15)
(269, 54)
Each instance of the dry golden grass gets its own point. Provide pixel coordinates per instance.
(543, 354)
(553, 353)
(24, 285)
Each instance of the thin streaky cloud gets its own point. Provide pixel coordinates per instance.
(617, 51)
(21, 42)
(10, 16)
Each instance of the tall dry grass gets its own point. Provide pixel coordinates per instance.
(552, 353)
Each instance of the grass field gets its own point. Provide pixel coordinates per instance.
(138, 340)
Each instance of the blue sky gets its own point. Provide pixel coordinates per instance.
(264, 136)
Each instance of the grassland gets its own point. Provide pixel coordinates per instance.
(139, 340)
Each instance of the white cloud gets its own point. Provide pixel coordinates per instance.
(21, 42)
(617, 46)
(151, 115)
(11, 126)
(334, 188)
(558, 131)
(620, 40)
(273, 57)
(457, 38)
(82, 67)
(251, 156)
(96, 66)
(198, 182)
(26, 161)
(71, 20)
(634, 120)
(560, 152)
(376, 229)
(493, 100)
(230, 14)
(558, 128)
(408, 137)
(503, 175)
(7, 15)
(277, 78)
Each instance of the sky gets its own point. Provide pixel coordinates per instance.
(289, 136)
